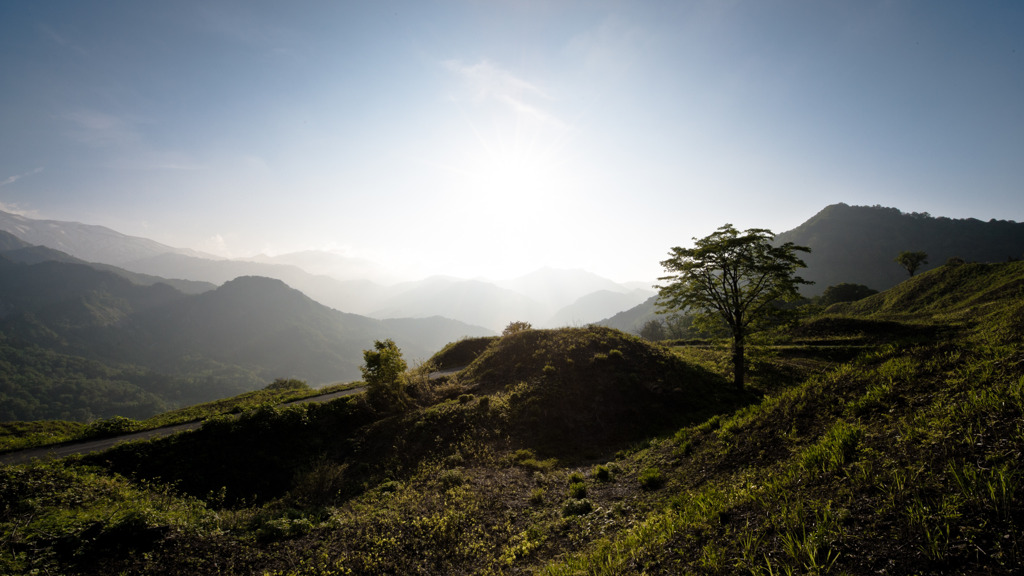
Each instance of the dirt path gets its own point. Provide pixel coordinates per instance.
(90, 446)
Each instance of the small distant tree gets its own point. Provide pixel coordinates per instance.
(516, 327)
(653, 330)
(383, 372)
(281, 384)
(911, 261)
(845, 293)
(733, 278)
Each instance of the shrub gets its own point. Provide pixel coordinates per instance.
(319, 485)
(577, 507)
(845, 293)
(389, 487)
(516, 327)
(282, 384)
(651, 479)
(382, 370)
(282, 528)
(526, 458)
(451, 478)
(537, 496)
(111, 427)
(601, 473)
(578, 490)
(539, 465)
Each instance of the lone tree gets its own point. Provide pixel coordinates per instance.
(382, 372)
(912, 260)
(733, 278)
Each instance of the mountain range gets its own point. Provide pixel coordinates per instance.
(347, 284)
(90, 307)
(69, 329)
(858, 244)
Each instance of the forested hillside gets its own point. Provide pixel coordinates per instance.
(80, 343)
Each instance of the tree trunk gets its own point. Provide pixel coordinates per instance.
(738, 368)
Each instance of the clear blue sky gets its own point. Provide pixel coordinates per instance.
(489, 138)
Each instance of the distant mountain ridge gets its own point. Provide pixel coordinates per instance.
(87, 241)
(333, 280)
(858, 244)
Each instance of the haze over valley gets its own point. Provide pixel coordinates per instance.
(166, 326)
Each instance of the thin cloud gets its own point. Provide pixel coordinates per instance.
(101, 129)
(60, 39)
(487, 82)
(216, 245)
(16, 177)
(15, 209)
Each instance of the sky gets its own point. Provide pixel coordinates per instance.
(486, 139)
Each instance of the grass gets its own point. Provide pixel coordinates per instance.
(901, 455)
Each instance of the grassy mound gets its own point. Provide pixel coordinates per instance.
(460, 353)
(575, 389)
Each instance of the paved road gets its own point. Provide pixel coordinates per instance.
(90, 446)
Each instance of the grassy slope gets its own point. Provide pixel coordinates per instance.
(885, 436)
(25, 435)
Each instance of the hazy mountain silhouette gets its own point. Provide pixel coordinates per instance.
(597, 306)
(471, 301)
(633, 319)
(357, 296)
(858, 244)
(331, 264)
(17, 250)
(330, 279)
(85, 241)
(557, 288)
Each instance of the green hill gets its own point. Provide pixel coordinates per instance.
(881, 436)
(967, 290)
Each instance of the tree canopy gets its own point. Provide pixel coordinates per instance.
(732, 278)
(382, 371)
(912, 260)
(845, 292)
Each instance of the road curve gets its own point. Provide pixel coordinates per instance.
(90, 446)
